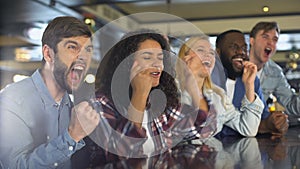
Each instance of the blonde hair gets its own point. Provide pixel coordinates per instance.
(181, 67)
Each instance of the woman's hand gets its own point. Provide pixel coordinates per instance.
(141, 80)
(193, 80)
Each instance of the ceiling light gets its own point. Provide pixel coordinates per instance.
(35, 32)
(89, 21)
(265, 9)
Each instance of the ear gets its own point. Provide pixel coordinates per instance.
(48, 54)
(251, 41)
(218, 51)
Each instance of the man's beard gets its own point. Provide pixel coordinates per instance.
(231, 73)
(60, 74)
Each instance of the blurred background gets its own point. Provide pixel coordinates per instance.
(23, 21)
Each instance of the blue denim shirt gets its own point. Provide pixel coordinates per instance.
(33, 127)
(273, 81)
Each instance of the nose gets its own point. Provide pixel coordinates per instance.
(271, 42)
(83, 54)
(158, 64)
(81, 57)
(241, 51)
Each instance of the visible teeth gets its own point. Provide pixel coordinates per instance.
(207, 63)
(237, 59)
(155, 73)
(78, 68)
(268, 49)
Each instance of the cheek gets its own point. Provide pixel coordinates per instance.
(68, 64)
(212, 65)
(142, 63)
(88, 62)
(275, 48)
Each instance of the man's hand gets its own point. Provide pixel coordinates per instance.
(249, 74)
(278, 123)
(84, 119)
(248, 78)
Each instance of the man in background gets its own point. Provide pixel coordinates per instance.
(232, 49)
(263, 41)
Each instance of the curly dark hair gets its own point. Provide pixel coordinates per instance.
(113, 73)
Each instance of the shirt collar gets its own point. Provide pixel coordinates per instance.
(44, 92)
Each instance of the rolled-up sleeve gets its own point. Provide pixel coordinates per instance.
(246, 120)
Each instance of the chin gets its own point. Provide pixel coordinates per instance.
(155, 84)
(204, 75)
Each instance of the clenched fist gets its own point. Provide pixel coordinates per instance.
(84, 119)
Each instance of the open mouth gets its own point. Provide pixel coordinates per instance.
(155, 74)
(77, 72)
(268, 51)
(206, 63)
(238, 62)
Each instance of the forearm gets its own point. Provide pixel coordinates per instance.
(198, 100)
(282, 90)
(246, 121)
(290, 100)
(136, 108)
(117, 133)
(55, 153)
(250, 91)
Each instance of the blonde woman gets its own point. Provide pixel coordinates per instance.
(194, 66)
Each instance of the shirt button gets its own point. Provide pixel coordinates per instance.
(55, 164)
(71, 148)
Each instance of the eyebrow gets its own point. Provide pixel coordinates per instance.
(70, 41)
(233, 43)
(150, 53)
(76, 43)
(200, 46)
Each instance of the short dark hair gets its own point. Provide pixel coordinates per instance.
(64, 27)
(221, 36)
(265, 26)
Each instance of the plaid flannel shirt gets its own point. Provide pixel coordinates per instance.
(119, 135)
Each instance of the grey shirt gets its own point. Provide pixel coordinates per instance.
(33, 127)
